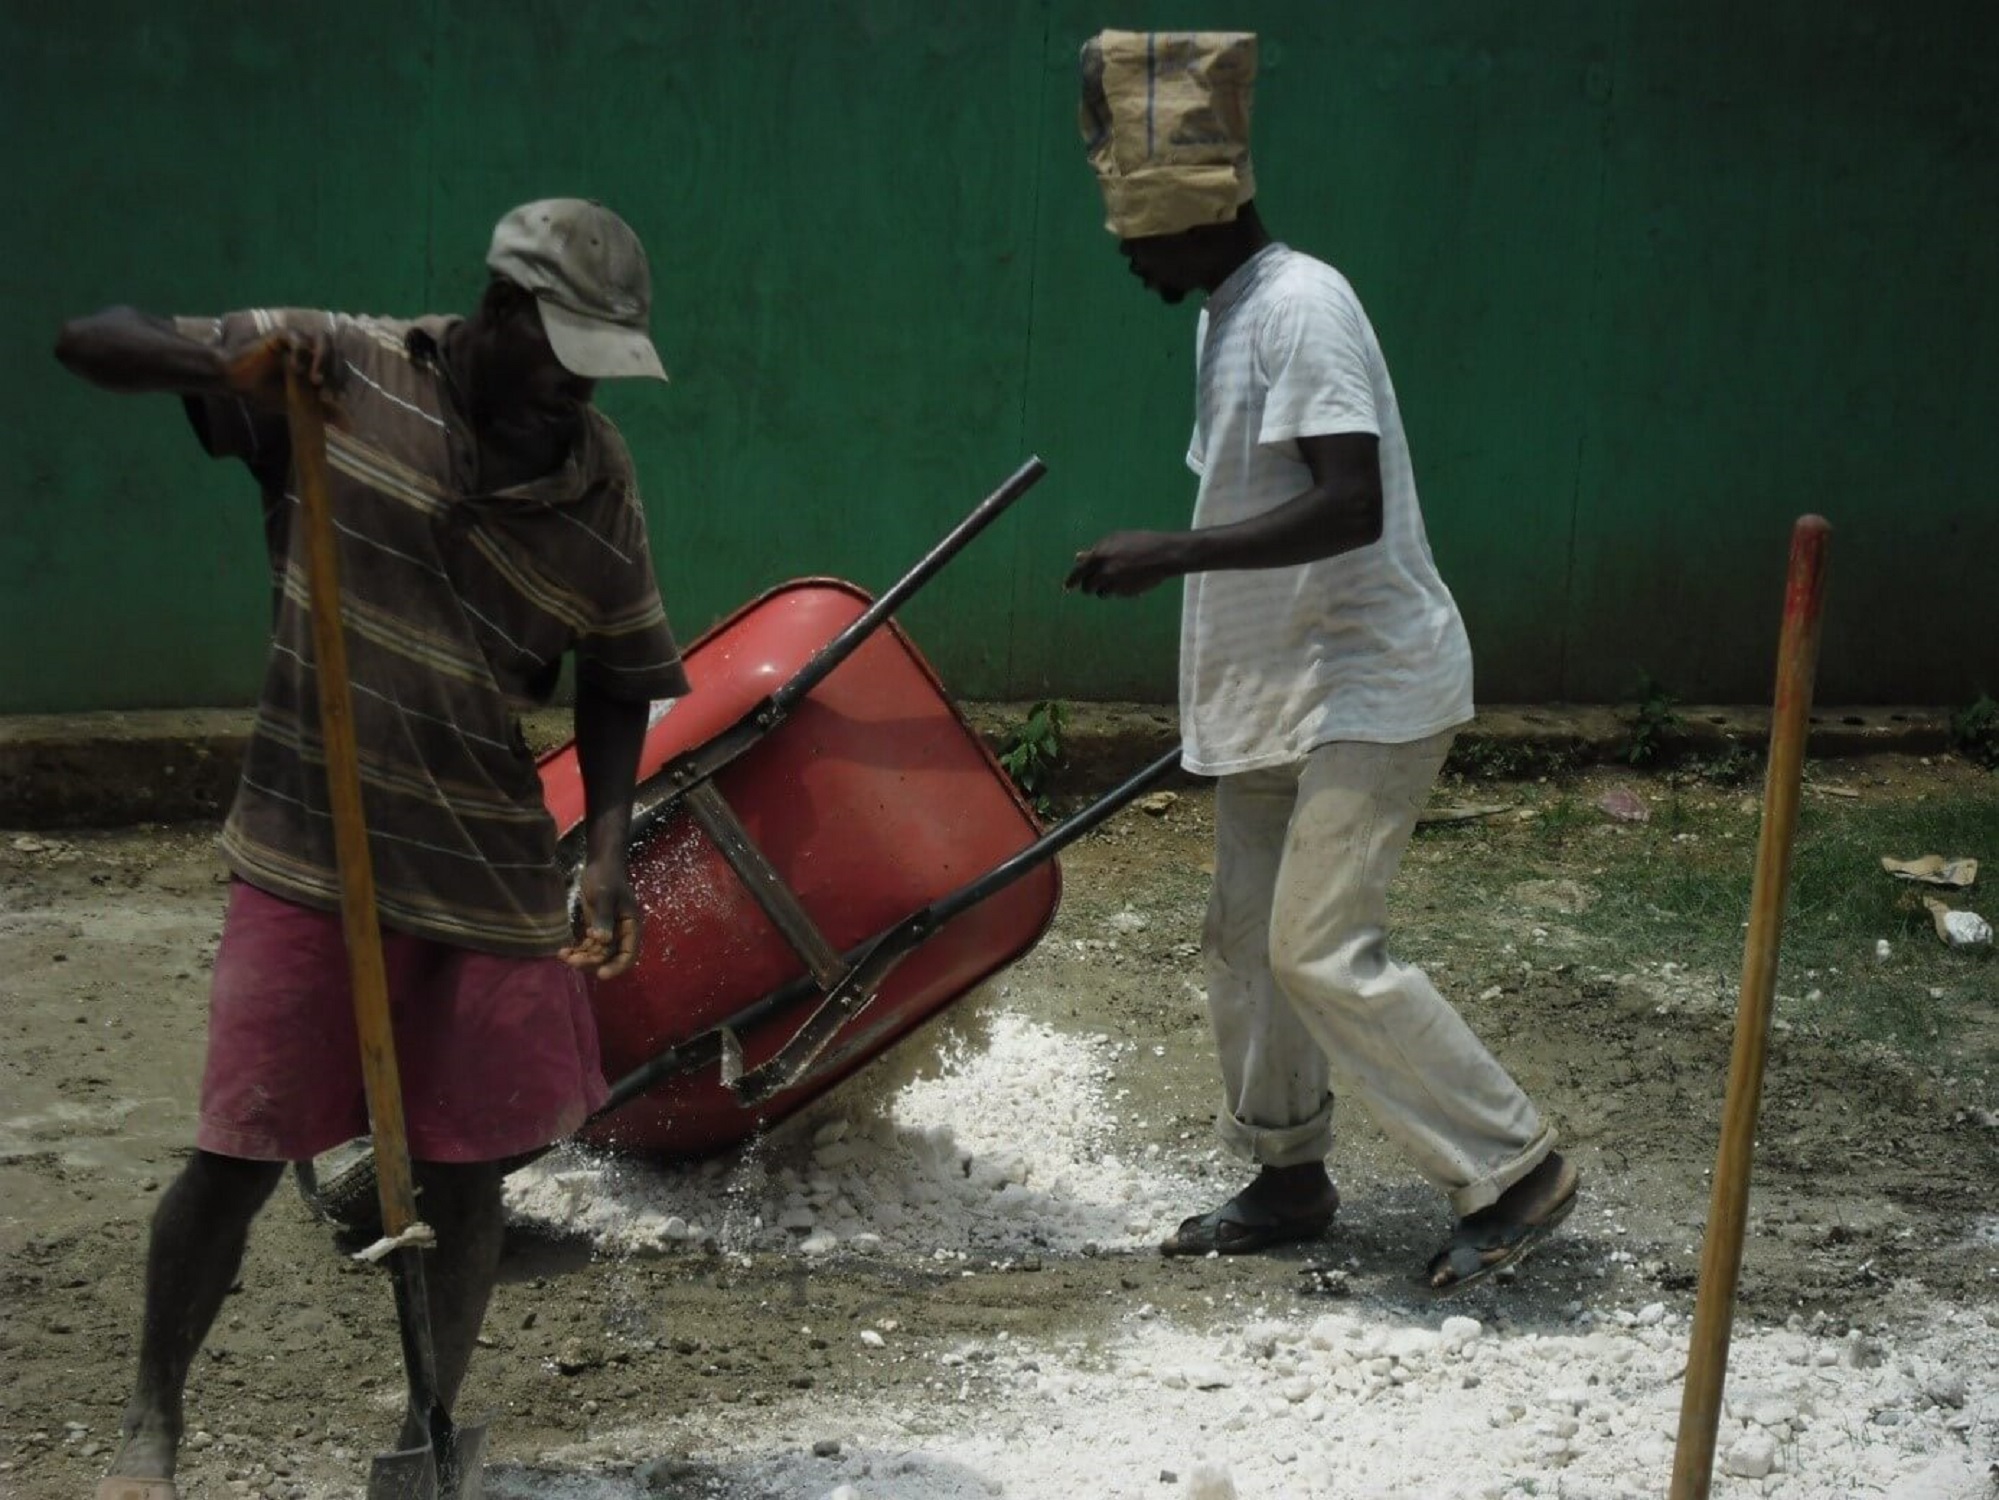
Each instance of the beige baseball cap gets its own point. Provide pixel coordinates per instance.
(589, 277)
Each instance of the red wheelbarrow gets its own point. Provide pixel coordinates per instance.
(827, 856)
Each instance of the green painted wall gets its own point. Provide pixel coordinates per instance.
(1652, 279)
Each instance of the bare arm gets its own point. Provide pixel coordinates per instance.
(124, 349)
(609, 735)
(1339, 512)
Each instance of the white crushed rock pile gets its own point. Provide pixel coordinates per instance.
(1011, 1148)
(1014, 1147)
(1360, 1405)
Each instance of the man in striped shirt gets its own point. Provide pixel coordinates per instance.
(1323, 672)
(489, 525)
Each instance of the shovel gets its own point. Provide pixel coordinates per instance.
(1728, 1206)
(448, 1464)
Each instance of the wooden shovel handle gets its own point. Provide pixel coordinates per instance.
(1721, 1252)
(307, 420)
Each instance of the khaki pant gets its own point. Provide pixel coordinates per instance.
(1301, 985)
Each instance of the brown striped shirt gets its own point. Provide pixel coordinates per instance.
(459, 607)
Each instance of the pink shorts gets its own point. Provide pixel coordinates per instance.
(498, 1055)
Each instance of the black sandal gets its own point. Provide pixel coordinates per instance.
(1492, 1238)
(1238, 1228)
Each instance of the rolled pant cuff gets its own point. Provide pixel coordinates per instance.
(1278, 1146)
(1485, 1192)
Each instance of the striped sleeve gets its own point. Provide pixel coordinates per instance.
(627, 649)
(228, 426)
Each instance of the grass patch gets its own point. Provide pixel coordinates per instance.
(1677, 889)
(1842, 903)
(1688, 893)
(1562, 818)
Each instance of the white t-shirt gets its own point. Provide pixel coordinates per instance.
(1364, 646)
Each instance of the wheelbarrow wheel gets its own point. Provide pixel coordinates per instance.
(340, 1189)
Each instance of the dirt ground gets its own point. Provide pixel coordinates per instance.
(1873, 1193)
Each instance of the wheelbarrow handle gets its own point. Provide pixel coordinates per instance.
(877, 960)
(693, 766)
(843, 645)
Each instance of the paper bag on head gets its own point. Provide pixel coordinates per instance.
(1165, 118)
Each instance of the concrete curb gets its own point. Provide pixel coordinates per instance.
(112, 769)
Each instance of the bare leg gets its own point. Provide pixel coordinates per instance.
(462, 1204)
(199, 1232)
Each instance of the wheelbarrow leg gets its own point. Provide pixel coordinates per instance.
(711, 810)
(878, 959)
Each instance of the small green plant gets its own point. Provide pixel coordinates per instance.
(1974, 732)
(1482, 757)
(1732, 765)
(1651, 724)
(1479, 758)
(1033, 750)
(1561, 817)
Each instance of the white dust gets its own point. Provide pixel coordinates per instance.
(1011, 1148)
(1014, 1148)
(1364, 1405)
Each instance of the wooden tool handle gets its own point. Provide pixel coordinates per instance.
(350, 828)
(1721, 1252)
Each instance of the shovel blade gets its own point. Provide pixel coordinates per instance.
(464, 1476)
(407, 1475)
(415, 1473)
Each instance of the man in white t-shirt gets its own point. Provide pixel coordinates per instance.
(1324, 670)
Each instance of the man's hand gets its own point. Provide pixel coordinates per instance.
(257, 373)
(1126, 563)
(609, 734)
(609, 942)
